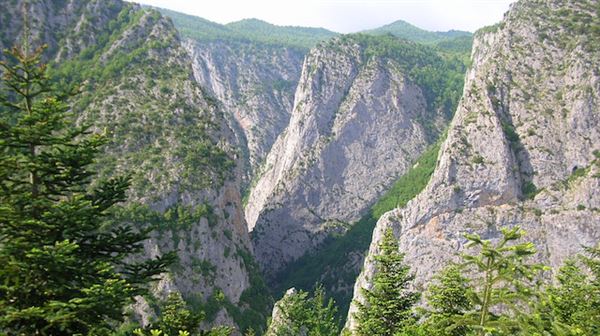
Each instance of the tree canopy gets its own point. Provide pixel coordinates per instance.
(387, 307)
(66, 265)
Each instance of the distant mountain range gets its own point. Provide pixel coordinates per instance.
(258, 31)
(408, 31)
(247, 30)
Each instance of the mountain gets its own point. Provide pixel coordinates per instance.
(170, 135)
(248, 30)
(408, 31)
(252, 68)
(305, 37)
(255, 85)
(271, 157)
(361, 99)
(521, 150)
(453, 41)
(337, 263)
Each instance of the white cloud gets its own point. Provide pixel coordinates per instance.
(348, 15)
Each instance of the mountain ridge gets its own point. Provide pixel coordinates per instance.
(360, 96)
(171, 136)
(261, 31)
(247, 30)
(404, 29)
(320, 131)
(522, 149)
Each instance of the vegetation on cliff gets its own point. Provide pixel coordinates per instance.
(248, 30)
(329, 265)
(67, 265)
(496, 290)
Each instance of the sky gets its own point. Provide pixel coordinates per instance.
(347, 16)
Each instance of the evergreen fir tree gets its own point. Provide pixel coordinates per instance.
(448, 296)
(176, 317)
(63, 260)
(573, 304)
(323, 315)
(502, 284)
(592, 261)
(387, 308)
(294, 315)
(310, 316)
(495, 292)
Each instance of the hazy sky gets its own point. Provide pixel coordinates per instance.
(347, 16)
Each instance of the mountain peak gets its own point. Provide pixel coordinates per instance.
(250, 22)
(403, 29)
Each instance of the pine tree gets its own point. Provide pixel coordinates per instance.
(293, 316)
(306, 315)
(502, 284)
(387, 308)
(63, 260)
(323, 315)
(495, 292)
(592, 261)
(176, 317)
(448, 296)
(574, 302)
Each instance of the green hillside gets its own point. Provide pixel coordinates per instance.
(408, 31)
(247, 30)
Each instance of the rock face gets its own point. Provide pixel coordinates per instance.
(168, 133)
(351, 112)
(255, 83)
(85, 20)
(523, 148)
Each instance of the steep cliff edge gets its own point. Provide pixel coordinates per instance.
(252, 68)
(166, 131)
(256, 85)
(338, 262)
(360, 101)
(523, 148)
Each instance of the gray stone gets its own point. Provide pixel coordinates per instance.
(536, 80)
(352, 133)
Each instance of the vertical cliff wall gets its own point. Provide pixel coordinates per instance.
(523, 148)
(168, 133)
(357, 105)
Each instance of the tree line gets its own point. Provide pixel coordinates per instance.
(494, 291)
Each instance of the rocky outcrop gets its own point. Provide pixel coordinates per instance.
(167, 132)
(256, 85)
(182, 151)
(86, 22)
(352, 111)
(523, 148)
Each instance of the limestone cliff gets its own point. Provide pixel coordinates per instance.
(255, 83)
(252, 67)
(167, 132)
(356, 106)
(523, 148)
(49, 22)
